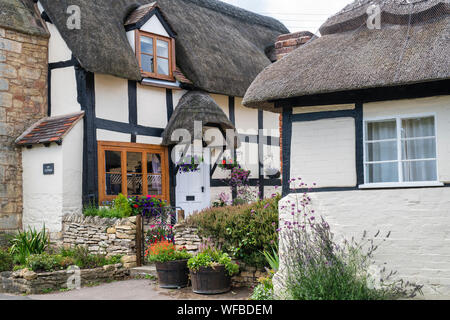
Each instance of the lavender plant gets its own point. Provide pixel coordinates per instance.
(318, 268)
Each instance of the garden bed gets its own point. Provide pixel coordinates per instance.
(28, 282)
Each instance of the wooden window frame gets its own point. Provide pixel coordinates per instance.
(171, 47)
(125, 147)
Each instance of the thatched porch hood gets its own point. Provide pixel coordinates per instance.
(219, 47)
(196, 106)
(412, 47)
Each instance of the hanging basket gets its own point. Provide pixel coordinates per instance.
(189, 164)
(228, 164)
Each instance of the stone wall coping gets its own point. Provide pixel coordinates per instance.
(97, 221)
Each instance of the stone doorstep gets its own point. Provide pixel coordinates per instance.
(143, 271)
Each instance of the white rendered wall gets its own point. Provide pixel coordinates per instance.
(222, 101)
(42, 194)
(246, 118)
(153, 25)
(57, 47)
(111, 98)
(151, 106)
(106, 135)
(131, 36)
(176, 96)
(148, 140)
(48, 197)
(73, 170)
(323, 152)
(64, 92)
(439, 106)
(418, 219)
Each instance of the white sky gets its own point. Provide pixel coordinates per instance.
(297, 15)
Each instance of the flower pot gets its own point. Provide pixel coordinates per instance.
(210, 280)
(172, 274)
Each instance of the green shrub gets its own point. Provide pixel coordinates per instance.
(6, 261)
(43, 262)
(81, 257)
(120, 209)
(212, 257)
(122, 205)
(90, 210)
(27, 243)
(264, 289)
(244, 231)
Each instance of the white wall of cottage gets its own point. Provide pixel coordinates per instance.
(64, 92)
(111, 98)
(418, 219)
(324, 152)
(48, 197)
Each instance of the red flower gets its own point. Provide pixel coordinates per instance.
(136, 206)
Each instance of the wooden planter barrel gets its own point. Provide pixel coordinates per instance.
(173, 274)
(210, 280)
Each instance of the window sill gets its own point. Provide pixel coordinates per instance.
(401, 185)
(160, 83)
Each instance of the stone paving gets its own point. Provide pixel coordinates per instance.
(142, 289)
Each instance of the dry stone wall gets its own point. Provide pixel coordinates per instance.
(28, 282)
(102, 236)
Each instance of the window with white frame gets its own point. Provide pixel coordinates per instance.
(400, 150)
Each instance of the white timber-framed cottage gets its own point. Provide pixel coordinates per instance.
(366, 115)
(122, 81)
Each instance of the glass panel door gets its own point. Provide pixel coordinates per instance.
(134, 174)
(154, 176)
(113, 173)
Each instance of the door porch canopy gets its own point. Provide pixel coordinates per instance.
(197, 106)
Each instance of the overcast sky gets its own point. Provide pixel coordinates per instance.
(297, 15)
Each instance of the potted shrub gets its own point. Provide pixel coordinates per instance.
(171, 264)
(211, 271)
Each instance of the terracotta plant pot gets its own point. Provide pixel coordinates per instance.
(210, 280)
(173, 274)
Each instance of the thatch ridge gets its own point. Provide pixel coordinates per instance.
(20, 15)
(195, 106)
(396, 55)
(219, 47)
(392, 11)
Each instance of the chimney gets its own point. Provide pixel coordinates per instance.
(287, 43)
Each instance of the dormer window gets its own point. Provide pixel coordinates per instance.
(153, 41)
(155, 55)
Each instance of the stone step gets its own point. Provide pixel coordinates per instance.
(144, 271)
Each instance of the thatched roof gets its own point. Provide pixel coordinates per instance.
(219, 47)
(20, 15)
(196, 106)
(349, 56)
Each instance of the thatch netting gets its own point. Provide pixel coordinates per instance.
(20, 15)
(195, 106)
(360, 58)
(219, 47)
